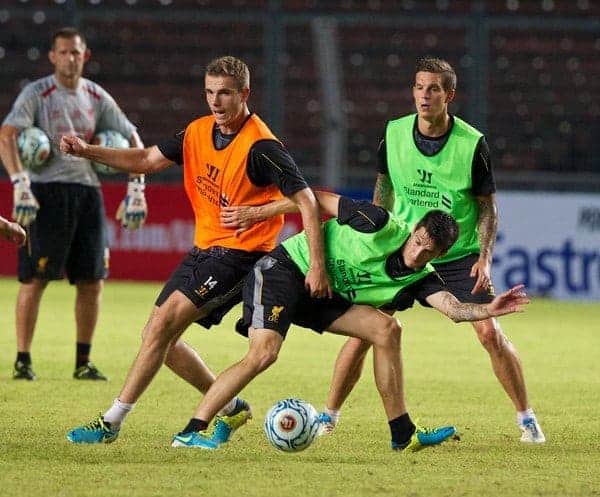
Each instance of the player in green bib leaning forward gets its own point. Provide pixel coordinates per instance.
(436, 160)
(373, 260)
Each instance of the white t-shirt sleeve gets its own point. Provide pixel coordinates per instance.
(24, 109)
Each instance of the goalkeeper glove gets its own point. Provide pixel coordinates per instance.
(133, 209)
(25, 205)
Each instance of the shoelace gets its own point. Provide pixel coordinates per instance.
(325, 418)
(97, 423)
(426, 431)
(530, 425)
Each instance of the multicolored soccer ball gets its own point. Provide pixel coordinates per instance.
(111, 139)
(291, 425)
(34, 148)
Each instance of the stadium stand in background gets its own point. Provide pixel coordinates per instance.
(529, 71)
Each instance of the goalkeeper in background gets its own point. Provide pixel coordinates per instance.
(61, 206)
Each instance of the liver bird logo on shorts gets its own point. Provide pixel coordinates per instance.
(41, 265)
(275, 312)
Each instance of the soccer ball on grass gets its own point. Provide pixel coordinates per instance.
(291, 425)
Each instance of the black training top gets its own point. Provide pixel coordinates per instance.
(268, 161)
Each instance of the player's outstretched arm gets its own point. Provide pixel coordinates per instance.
(508, 302)
(129, 160)
(12, 232)
(329, 202)
(242, 217)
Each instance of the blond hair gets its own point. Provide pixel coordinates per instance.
(232, 67)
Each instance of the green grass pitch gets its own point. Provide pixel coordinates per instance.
(448, 380)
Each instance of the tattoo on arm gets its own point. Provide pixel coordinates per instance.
(487, 224)
(458, 311)
(383, 193)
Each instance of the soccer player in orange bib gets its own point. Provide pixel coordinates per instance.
(229, 157)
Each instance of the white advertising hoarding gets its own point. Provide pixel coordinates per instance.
(550, 242)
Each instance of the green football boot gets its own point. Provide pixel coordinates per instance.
(425, 437)
(97, 431)
(226, 425)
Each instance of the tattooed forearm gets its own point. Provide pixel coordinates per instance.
(487, 224)
(458, 311)
(383, 193)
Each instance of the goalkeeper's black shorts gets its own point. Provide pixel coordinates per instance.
(68, 235)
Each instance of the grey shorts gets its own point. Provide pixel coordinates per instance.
(275, 297)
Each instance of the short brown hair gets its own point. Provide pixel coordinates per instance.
(232, 67)
(67, 32)
(438, 66)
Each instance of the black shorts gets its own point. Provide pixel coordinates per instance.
(212, 279)
(275, 297)
(456, 276)
(67, 236)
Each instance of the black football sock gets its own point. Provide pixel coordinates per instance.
(24, 357)
(402, 428)
(195, 424)
(83, 354)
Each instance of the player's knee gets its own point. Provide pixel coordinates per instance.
(159, 332)
(150, 335)
(89, 289)
(42, 284)
(34, 285)
(261, 358)
(489, 333)
(387, 333)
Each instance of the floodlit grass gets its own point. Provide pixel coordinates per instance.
(448, 380)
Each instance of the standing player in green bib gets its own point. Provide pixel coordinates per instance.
(434, 160)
